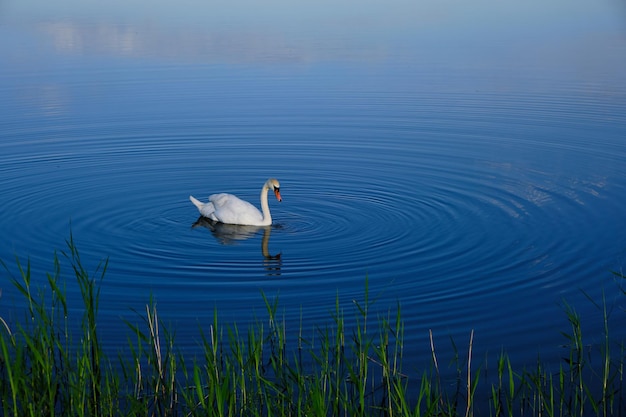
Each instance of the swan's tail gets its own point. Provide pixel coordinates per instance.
(196, 202)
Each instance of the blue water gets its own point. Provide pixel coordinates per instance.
(470, 165)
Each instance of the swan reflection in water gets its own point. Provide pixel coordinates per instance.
(229, 234)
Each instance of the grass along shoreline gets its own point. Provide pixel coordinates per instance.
(46, 370)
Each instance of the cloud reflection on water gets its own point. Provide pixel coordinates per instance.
(513, 35)
(195, 44)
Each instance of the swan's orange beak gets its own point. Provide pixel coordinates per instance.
(277, 194)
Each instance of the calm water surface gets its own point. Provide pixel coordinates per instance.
(470, 164)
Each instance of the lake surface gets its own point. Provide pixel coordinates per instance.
(470, 164)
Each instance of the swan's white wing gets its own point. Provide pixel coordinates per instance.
(207, 210)
(230, 209)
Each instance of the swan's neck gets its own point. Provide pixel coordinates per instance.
(265, 208)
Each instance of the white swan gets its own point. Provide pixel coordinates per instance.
(229, 209)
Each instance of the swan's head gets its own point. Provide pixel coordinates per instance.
(274, 185)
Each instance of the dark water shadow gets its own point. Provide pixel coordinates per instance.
(230, 234)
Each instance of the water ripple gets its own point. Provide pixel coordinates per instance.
(455, 216)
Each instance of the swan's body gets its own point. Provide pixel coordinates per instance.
(229, 209)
